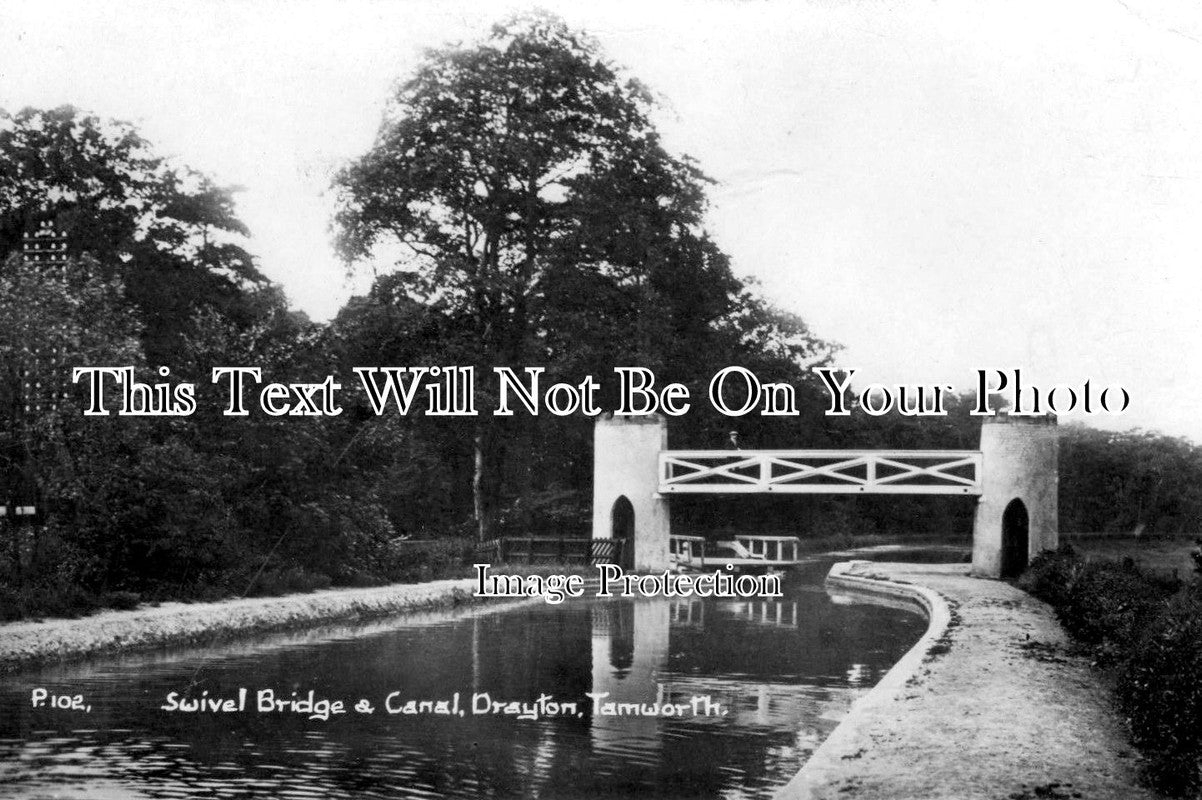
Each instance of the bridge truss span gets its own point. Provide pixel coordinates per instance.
(955, 472)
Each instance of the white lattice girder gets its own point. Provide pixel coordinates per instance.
(819, 471)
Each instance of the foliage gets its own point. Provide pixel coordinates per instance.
(429, 559)
(1051, 575)
(166, 506)
(1160, 688)
(536, 218)
(167, 231)
(1125, 481)
(1100, 602)
(50, 324)
(1150, 630)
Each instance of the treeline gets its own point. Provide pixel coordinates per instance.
(1129, 482)
(520, 210)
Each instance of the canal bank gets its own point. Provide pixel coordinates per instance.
(29, 644)
(991, 703)
(769, 680)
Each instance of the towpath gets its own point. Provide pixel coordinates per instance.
(994, 706)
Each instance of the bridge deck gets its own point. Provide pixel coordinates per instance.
(820, 471)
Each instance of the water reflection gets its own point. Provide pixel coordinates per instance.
(783, 670)
(630, 652)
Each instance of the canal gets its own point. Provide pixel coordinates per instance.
(656, 698)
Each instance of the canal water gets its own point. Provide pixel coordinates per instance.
(722, 699)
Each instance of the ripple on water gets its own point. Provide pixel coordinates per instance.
(783, 674)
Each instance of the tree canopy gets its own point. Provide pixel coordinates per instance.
(168, 231)
(522, 191)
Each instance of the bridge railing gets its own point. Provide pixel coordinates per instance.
(692, 550)
(820, 471)
(772, 548)
(687, 549)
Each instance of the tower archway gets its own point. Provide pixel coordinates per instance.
(1016, 539)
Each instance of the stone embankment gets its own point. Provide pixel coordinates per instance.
(991, 703)
(27, 644)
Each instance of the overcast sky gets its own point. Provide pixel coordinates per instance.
(940, 187)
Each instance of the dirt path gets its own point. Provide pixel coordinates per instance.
(997, 707)
(25, 644)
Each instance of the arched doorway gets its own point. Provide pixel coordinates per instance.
(622, 521)
(1015, 539)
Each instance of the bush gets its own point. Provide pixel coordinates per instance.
(1103, 602)
(1160, 690)
(429, 559)
(59, 599)
(272, 582)
(1150, 628)
(123, 601)
(1050, 575)
(1110, 603)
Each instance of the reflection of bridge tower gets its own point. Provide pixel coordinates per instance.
(630, 648)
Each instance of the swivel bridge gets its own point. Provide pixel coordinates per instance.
(1013, 477)
(821, 471)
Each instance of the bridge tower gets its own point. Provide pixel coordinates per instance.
(1017, 511)
(1015, 473)
(627, 504)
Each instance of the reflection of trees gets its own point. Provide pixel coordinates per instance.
(778, 711)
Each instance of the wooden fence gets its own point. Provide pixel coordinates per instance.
(545, 550)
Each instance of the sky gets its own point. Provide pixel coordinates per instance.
(940, 187)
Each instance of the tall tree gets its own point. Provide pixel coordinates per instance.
(514, 173)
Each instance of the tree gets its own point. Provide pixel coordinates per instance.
(514, 174)
(53, 319)
(168, 232)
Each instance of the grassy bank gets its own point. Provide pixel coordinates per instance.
(28, 644)
(1143, 626)
(1170, 555)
